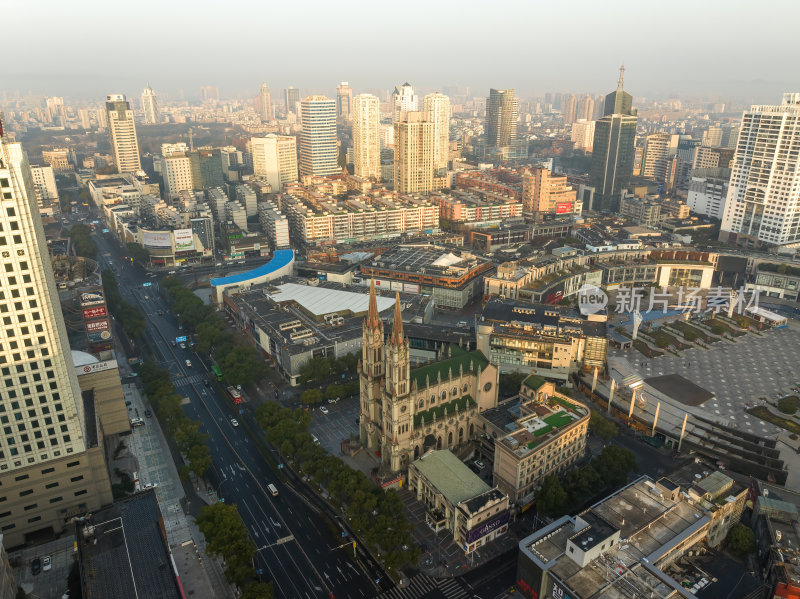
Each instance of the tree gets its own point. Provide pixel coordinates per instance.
(602, 426)
(138, 252)
(258, 590)
(199, 458)
(311, 396)
(741, 539)
(511, 382)
(551, 499)
(227, 536)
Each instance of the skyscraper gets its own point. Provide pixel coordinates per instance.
(613, 148)
(264, 104)
(436, 107)
(658, 148)
(585, 109)
(52, 464)
(413, 153)
(403, 100)
(319, 152)
(571, 109)
(274, 159)
(122, 134)
(502, 109)
(344, 100)
(291, 96)
(366, 137)
(150, 106)
(176, 169)
(763, 204)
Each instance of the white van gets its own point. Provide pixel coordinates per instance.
(272, 490)
(137, 422)
(314, 437)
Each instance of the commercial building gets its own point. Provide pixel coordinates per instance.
(771, 280)
(176, 169)
(582, 133)
(360, 218)
(319, 151)
(546, 193)
(502, 111)
(403, 100)
(366, 137)
(613, 149)
(545, 339)
(708, 191)
(44, 185)
(150, 110)
(281, 265)
(713, 157)
(492, 238)
(57, 159)
(405, 412)
(467, 209)
(451, 278)
(640, 542)
(413, 153)
(537, 434)
(642, 211)
(52, 463)
(456, 499)
(122, 552)
(274, 159)
(344, 100)
(122, 134)
(436, 107)
(762, 204)
(291, 98)
(658, 149)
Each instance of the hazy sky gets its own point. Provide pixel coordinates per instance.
(703, 48)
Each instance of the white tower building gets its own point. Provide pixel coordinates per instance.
(366, 136)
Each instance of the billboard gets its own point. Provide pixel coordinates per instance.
(96, 312)
(184, 240)
(157, 239)
(97, 325)
(95, 367)
(91, 298)
(98, 336)
(487, 527)
(563, 207)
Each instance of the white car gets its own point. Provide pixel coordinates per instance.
(324, 410)
(188, 363)
(183, 346)
(234, 422)
(47, 563)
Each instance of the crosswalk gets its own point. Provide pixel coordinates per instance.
(422, 586)
(180, 381)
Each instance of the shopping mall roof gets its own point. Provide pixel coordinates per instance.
(320, 301)
(82, 358)
(280, 259)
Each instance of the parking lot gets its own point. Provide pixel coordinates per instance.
(50, 584)
(335, 426)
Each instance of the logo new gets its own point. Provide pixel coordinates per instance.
(591, 300)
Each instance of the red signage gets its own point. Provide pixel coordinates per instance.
(89, 313)
(97, 325)
(563, 207)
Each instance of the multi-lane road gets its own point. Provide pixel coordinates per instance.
(299, 547)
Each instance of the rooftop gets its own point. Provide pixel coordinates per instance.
(680, 388)
(543, 424)
(450, 476)
(461, 360)
(280, 259)
(123, 553)
(320, 301)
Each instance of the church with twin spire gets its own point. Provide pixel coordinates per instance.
(404, 412)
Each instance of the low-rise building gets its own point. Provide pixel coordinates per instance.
(467, 209)
(458, 500)
(641, 541)
(545, 339)
(532, 436)
(452, 278)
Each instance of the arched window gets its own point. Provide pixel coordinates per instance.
(444, 395)
(464, 388)
(460, 434)
(454, 392)
(439, 442)
(433, 398)
(421, 403)
(450, 438)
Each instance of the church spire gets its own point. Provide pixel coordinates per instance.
(373, 319)
(397, 326)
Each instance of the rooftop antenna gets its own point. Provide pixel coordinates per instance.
(621, 76)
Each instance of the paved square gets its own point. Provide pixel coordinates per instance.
(738, 373)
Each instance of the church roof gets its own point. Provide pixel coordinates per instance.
(463, 360)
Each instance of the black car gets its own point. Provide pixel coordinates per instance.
(36, 566)
(148, 413)
(206, 382)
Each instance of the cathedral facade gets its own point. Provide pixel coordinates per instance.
(405, 412)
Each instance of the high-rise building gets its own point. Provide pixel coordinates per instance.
(571, 109)
(436, 107)
(546, 193)
(52, 464)
(502, 109)
(209, 93)
(583, 134)
(150, 106)
(344, 100)
(291, 97)
(658, 149)
(366, 137)
(122, 134)
(763, 204)
(613, 148)
(207, 168)
(176, 169)
(264, 104)
(44, 184)
(708, 191)
(319, 151)
(83, 115)
(585, 109)
(413, 153)
(403, 100)
(274, 159)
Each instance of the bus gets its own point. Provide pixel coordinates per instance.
(217, 372)
(235, 396)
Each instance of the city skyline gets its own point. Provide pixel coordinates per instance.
(738, 73)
